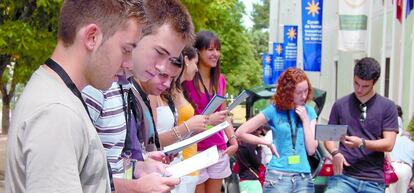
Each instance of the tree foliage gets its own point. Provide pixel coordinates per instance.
(260, 15)
(27, 36)
(258, 34)
(259, 39)
(223, 17)
(410, 126)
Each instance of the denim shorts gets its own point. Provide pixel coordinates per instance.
(277, 182)
(347, 184)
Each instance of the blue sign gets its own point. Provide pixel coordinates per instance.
(312, 34)
(291, 45)
(278, 54)
(267, 69)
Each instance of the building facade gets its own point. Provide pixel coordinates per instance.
(388, 41)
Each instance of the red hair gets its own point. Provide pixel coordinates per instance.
(283, 98)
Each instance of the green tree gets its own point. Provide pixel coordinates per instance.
(410, 126)
(258, 35)
(27, 37)
(260, 15)
(259, 40)
(223, 17)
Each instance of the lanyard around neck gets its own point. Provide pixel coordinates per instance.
(205, 89)
(293, 132)
(144, 97)
(67, 80)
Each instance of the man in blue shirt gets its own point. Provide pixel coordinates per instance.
(372, 120)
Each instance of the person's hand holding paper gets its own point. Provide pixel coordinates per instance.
(154, 182)
(217, 117)
(149, 166)
(197, 123)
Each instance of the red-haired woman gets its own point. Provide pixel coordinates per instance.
(293, 127)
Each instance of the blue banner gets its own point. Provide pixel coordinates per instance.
(312, 34)
(291, 45)
(267, 68)
(278, 54)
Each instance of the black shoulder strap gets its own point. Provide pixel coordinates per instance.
(144, 97)
(172, 107)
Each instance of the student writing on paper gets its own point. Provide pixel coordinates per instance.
(293, 127)
(207, 82)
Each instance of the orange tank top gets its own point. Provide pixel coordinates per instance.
(185, 113)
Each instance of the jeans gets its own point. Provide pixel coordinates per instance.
(288, 183)
(346, 184)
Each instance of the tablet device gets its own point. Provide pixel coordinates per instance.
(330, 132)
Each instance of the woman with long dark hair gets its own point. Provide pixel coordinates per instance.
(207, 82)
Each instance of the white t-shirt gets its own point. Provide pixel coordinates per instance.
(52, 144)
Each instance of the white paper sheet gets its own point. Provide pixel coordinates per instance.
(214, 103)
(197, 162)
(239, 99)
(179, 146)
(330, 132)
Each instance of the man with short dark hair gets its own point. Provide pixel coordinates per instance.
(53, 145)
(372, 120)
(170, 29)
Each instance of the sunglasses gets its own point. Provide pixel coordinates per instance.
(363, 116)
(178, 61)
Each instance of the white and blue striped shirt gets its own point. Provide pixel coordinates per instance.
(106, 109)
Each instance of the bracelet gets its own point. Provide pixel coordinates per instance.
(177, 133)
(333, 153)
(186, 126)
(233, 136)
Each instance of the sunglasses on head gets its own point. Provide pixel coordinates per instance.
(363, 116)
(178, 61)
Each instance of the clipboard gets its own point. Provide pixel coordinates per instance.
(239, 99)
(214, 103)
(330, 132)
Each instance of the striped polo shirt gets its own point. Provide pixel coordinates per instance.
(107, 112)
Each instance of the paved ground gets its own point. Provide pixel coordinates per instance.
(3, 140)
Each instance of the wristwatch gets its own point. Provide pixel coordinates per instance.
(362, 145)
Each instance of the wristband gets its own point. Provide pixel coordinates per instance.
(333, 153)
